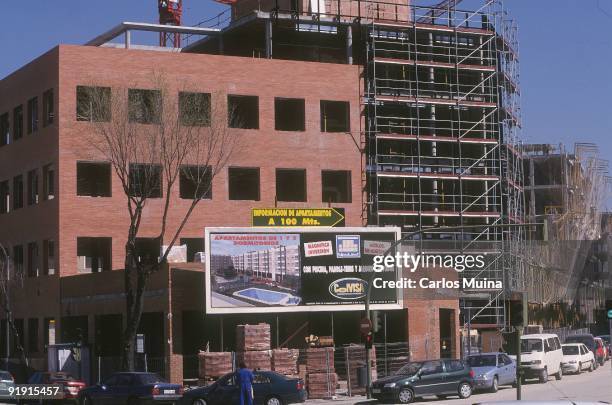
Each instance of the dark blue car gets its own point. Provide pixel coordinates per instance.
(269, 388)
(132, 389)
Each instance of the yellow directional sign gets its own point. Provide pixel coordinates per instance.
(298, 217)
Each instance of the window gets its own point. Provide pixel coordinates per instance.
(93, 254)
(33, 335)
(5, 130)
(147, 250)
(94, 179)
(48, 107)
(289, 114)
(32, 115)
(5, 197)
(93, 104)
(336, 186)
(291, 184)
(454, 365)
(335, 116)
(33, 269)
(194, 109)
(33, 187)
(49, 257)
(145, 180)
(243, 111)
(17, 122)
(243, 183)
(145, 106)
(48, 182)
(194, 245)
(432, 367)
(17, 192)
(195, 182)
(18, 259)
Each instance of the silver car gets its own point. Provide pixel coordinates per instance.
(6, 382)
(492, 370)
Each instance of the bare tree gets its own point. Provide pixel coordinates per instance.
(151, 137)
(11, 279)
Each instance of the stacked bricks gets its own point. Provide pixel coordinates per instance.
(253, 346)
(321, 378)
(284, 361)
(355, 359)
(214, 364)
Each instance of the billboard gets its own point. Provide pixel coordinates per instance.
(250, 270)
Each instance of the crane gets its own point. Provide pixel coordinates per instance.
(170, 13)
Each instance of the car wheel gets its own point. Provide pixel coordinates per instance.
(405, 396)
(274, 401)
(199, 401)
(559, 374)
(494, 385)
(544, 375)
(464, 390)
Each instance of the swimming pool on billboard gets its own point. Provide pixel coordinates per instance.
(268, 297)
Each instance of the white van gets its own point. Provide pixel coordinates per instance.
(541, 356)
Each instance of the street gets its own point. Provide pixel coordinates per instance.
(595, 386)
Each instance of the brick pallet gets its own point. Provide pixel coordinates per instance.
(253, 337)
(256, 359)
(284, 361)
(321, 385)
(214, 364)
(320, 359)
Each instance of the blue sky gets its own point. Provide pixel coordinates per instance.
(565, 47)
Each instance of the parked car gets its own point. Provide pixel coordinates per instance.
(269, 388)
(577, 357)
(492, 370)
(132, 389)
(434, 377)
(601, 353)
(70, 385)
(606, 340)
(589, 341)
(541, 356)
(6, 382)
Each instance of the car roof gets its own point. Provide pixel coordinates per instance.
(572, 344)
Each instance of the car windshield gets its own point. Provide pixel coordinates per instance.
(409, 369)
(146, 379)
(570, 350)
(482, 361)
(4, 375)
(531, 345)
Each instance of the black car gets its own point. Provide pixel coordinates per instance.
(433, 377)
(269, 388)
(131, 389)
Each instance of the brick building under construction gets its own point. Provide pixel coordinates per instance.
(401, 114)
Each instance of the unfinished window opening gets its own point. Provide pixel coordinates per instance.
(18, 122)
(194, 109)
(195, 182)
(18, 259)
(148, 250)
(243, 111)
(5, 130)
(289, 114)
(243, 183)
(5, 197)
(145, 106)
(33, 187)
(17, 192)
(32, 115)
(49, 257)
(145, 180)
(93, 254)
(48, 107)
(48, 182)
(291, 184)
(93, 104)
(94, 179)
(33, 335)
(195, 247)
(335, 116)
(33, 262)
(336, 186)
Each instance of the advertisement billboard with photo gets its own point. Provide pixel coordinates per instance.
(251, 270)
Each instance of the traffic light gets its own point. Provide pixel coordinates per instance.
(377, 321)
(519, 312)
(368, 340)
